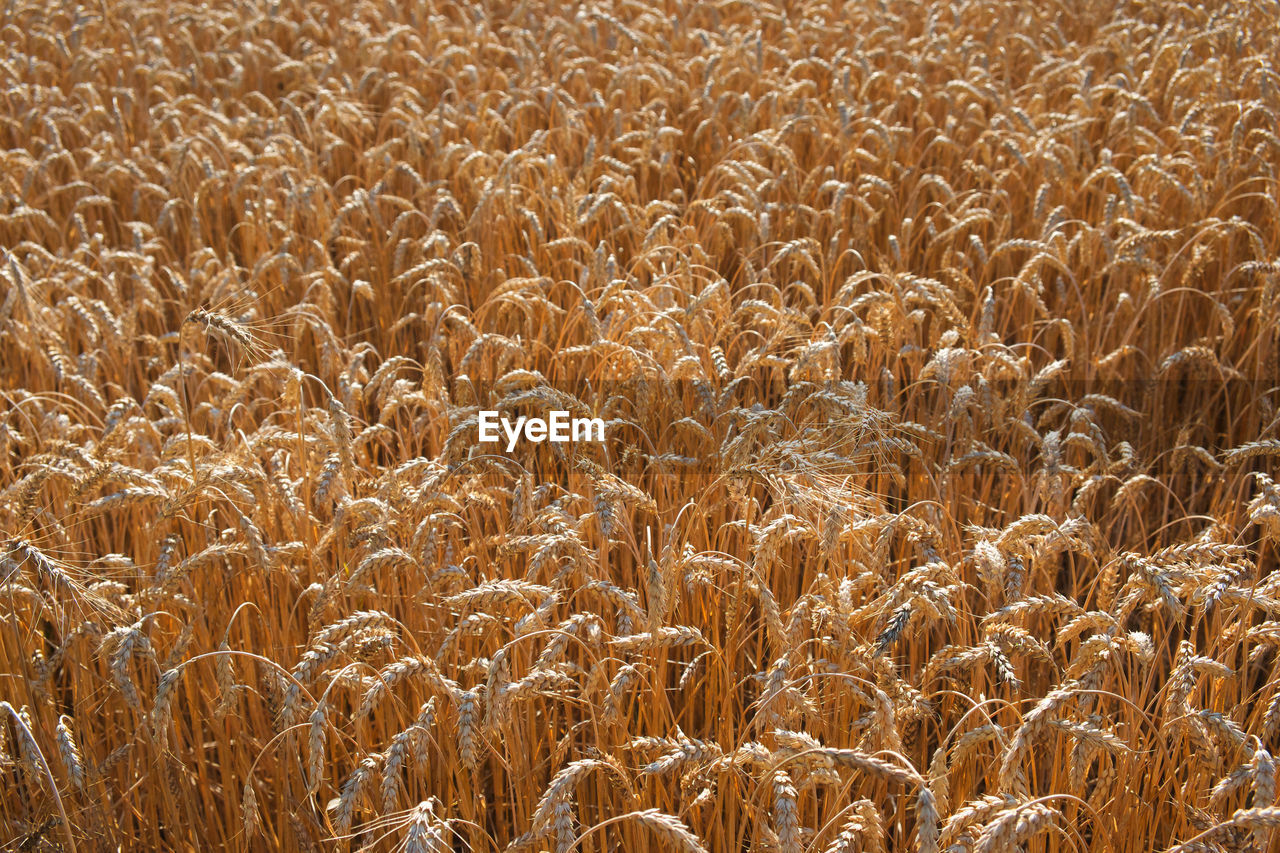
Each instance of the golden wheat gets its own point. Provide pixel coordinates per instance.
(935, 348)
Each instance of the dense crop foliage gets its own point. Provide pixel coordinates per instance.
(937, 347)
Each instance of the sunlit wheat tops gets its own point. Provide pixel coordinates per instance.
(934, 352)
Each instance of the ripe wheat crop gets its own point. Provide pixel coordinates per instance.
(935, 348)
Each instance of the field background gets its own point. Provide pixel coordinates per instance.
(938, 350)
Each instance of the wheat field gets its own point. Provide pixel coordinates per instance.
(936, 346)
